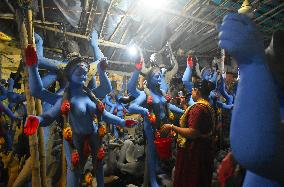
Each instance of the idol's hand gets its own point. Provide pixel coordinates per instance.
(139, 62)
(38, 39)
(103, 64)
(31, 56)
(240, 37)
(189, 61)
(31, 125)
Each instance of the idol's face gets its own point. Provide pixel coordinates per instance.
(79, 75)
(156, 78)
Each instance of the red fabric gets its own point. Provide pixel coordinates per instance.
(194, 163)
(226, 169)
(31, 56)
(65, 107)
(130, 123)
(31, 126)
(189, 61)
(101, 154)
(75, 158)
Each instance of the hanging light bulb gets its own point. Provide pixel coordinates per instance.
(132, 50)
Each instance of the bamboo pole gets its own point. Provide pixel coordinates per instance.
(25, 174)
(33, 140)
(42, 156)
(105, 19)
(63, 177)
(91, 13)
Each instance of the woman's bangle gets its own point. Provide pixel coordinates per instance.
(172, 127)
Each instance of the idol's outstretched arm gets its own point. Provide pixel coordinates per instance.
(7, 111)
(256, 131)
(37, 89)
(105, 86)
(12, 96)
(222, 89)
(43, 62)
(140, 96)
(175, 109)
(186, 78)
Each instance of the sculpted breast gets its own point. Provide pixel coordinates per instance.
(78, 107)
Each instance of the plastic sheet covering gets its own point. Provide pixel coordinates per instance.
(71, 9)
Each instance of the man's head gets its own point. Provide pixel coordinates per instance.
(201, 89)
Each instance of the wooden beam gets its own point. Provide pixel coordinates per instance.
(10, 6)
(194, 18)
(92, 11)
(119, 72)
(42, 11)
(105, 18)
(120, 62)
(273, 15)
(12, 17)
(38, 24)
(121, 40)
(84, 6)
(132, 8)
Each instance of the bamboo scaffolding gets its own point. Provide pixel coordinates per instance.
(91, 14)
(42, 156)
(25, 174)
(33, 140)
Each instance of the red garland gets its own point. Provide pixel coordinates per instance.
(101, 154)
(152, 118)
(31, 126)
(168, 98)
(75, 158)
(31, 56)
(65, 107)
(150, 100)
(100, 106)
